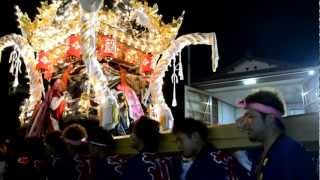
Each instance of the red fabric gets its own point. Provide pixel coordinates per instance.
(41, 112)
(146, 64)
(40, 115)
(123, 74)
(48, 73)
(59, 87)
(65, 75)
(59, 111)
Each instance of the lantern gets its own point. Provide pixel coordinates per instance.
(44, 65)
(107, 47)
(73, 47)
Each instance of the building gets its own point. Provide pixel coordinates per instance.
(213, 100)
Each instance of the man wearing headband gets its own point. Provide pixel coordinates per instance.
(282, 158)
(106, 164)
(200, 160)
(77, 164)
(148, 164)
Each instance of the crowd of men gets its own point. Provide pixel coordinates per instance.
(87, 151)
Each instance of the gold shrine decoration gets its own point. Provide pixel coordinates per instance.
(51, 29)
(131, 34)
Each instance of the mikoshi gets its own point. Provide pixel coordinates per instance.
(84, 59)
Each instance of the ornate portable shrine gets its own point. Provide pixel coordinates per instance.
(100, 62)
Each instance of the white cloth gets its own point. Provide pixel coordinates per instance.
(55, 102)
(54, 123)
(167, 116)
(107, 114)
(243, 159)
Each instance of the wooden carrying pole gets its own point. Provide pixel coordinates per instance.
(303, 128)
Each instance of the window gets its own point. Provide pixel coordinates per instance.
(200, 105)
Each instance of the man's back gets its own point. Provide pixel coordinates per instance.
(147, 166)
(212, 164)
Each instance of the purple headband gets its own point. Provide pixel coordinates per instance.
(98, 144)
(75, 142)
(259, 107)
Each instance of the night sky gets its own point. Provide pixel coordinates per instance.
(283, 30)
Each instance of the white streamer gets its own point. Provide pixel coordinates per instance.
(15, 67)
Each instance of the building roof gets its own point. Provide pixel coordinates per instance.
(250, 66)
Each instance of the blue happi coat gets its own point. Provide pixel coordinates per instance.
(212, 164)
(149, 166)
(285, 160)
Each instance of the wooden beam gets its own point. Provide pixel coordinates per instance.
(304, 128)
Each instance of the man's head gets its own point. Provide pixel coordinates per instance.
(263, 116)
(75, 136)
(191, 137)
(101, 142)
(146, 135)
(55, 142)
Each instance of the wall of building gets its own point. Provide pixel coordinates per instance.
(226, 113)
(311, 93)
